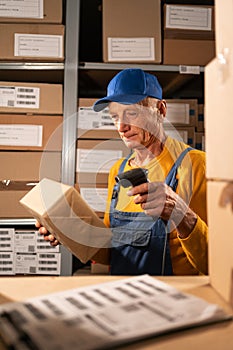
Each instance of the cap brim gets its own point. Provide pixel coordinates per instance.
(102, 103)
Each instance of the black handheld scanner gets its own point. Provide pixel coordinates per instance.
(132, 177)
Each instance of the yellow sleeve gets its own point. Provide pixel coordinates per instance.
(195, 245)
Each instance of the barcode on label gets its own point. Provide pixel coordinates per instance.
(32, 269)
(10, 103)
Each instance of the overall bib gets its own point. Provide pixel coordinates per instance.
(140, 243)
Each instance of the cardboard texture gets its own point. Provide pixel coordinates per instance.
(30, 166)
(137, 19)
(51, 132)
(52, 14)
(220, 240)
(219, 141)
(7, 40)
(188, 52)
(65, 214)
(10, 206)
(50, 98)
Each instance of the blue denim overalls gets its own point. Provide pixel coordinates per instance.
(139, 242)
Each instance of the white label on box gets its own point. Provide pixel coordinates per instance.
(6, 239)
(92, 160)
(22, 8)
(189, 69)
(133, 49)
(21, 135)
(180, 135)
(95, 197)
(19, 97)
(25, 263)
(188, 17)
(177, 113)
(89, 119)
(38, 45)
(25, 242)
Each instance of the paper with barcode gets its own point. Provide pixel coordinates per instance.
(103, 315)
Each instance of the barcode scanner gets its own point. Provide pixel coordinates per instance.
(134, 177)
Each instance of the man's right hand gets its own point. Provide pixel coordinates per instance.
(47, 235)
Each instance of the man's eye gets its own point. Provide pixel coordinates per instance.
(131, 114)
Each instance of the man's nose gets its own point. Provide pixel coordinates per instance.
(122, 125)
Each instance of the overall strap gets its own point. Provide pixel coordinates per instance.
(171, 179)
(117, 185)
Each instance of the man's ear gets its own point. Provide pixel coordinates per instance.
(162, 106)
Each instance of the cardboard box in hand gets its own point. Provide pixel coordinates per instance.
(66, 215)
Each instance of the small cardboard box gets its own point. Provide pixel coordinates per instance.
(132, 31)
(30, 132)
(35, 42)
(18, 12)
(61, 209)
(31, 98)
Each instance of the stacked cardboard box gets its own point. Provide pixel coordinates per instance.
(132, 31)
(30, 140)
(31, 32)
(189, 36)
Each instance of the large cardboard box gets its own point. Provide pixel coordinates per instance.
(220, 220)
(94, 125)
(23, 166)
(96, 157)
(25, 42)
(218, 119)
(62, 210)
(49, 12)
(189, 36)
(31, 98)
(132, 31)
(30, 132)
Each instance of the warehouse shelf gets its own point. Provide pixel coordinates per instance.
(16, 222)
(120, 66)
(31, 66)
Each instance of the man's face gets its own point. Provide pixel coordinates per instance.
(135, 123)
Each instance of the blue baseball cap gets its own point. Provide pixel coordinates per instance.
(130, 86)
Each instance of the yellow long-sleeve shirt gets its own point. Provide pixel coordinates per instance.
(190, 255)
